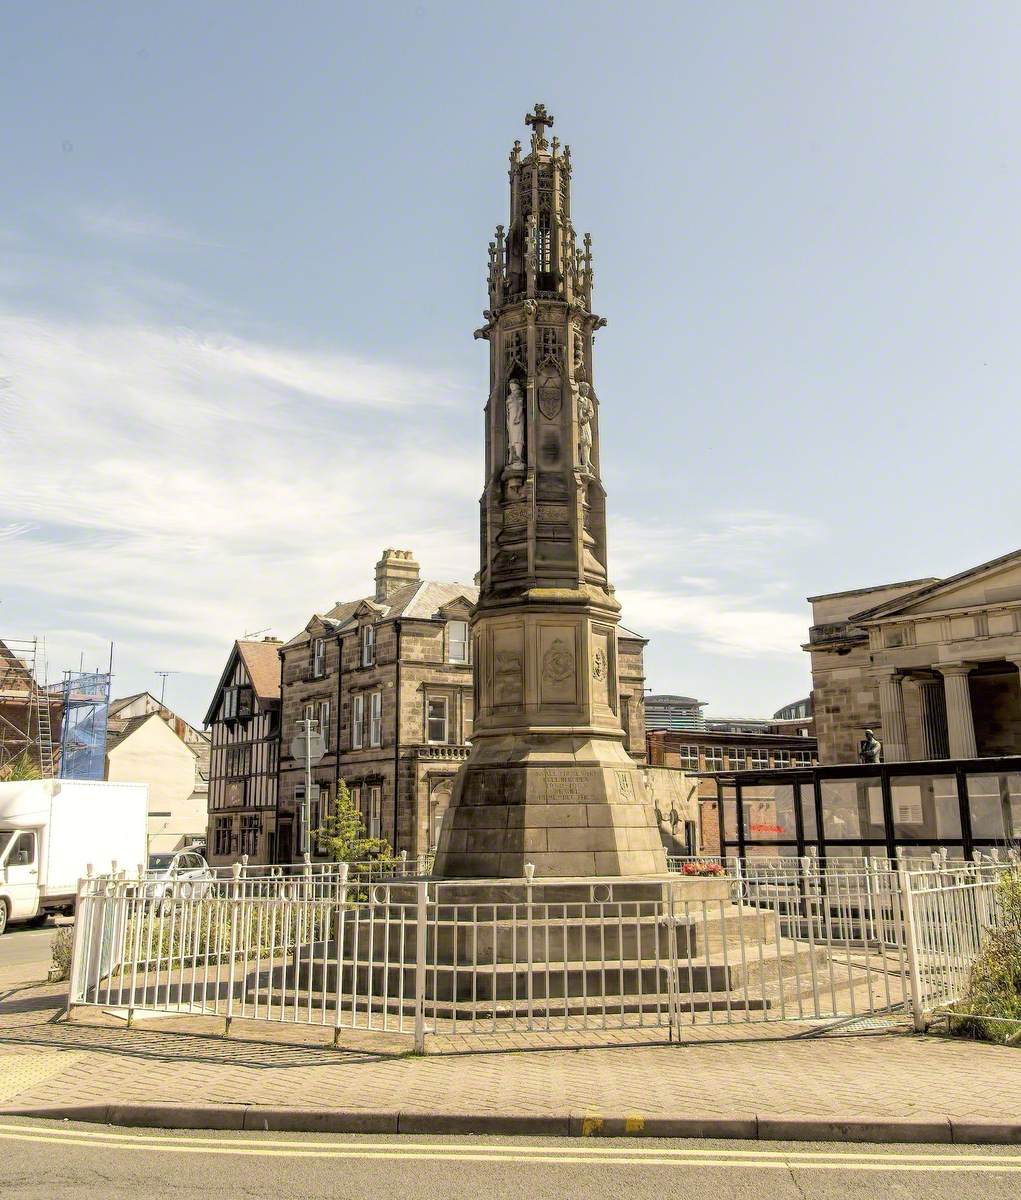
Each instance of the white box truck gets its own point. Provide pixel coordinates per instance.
(52, 829)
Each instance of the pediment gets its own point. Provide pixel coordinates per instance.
(458, 609)
(992, 583)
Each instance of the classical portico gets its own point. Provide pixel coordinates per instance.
(934, 666)
(549, 783)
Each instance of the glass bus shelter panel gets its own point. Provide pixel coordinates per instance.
(768, 812)
(925, 807)
(806, 797)
(853, 809)
(777, 850)
(995, 804)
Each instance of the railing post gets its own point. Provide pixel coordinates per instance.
(234, 913)
(907, 908)
(421, 933)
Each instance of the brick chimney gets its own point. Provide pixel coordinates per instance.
(396, 569)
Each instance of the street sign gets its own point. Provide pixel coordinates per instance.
(316, 747)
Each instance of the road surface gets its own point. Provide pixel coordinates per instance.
(63, 1159)
(25, 953)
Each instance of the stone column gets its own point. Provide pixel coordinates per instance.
(934, 718)
(960, 723)
(891, 705)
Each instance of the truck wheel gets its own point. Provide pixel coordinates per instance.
(3, 915)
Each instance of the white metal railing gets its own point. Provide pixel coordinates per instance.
(413, 955)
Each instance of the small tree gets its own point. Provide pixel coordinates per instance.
(343, 836)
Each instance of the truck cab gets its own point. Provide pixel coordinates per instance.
(19, 875)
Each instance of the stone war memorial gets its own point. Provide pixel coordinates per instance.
(552, 906)
(548, 783)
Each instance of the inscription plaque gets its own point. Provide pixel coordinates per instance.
(565, 785)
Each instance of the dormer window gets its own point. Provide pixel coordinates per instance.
(457, 641)
(318, 657)
(368, 645)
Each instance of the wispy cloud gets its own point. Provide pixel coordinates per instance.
(122, 223)
(735, 608)
(175, 490)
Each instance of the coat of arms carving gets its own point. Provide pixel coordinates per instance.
(550, 397)
(557, 663)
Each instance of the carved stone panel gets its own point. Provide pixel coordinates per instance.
(508, 665)
(600, 669)
(558, 667)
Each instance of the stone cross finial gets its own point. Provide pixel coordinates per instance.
(538, 119)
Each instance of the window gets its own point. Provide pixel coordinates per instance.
(368, 645)
(355, 792)
(625, 720)
(737, 757)
(375, 814)
(376, 719)
(436, 719)
(324, 721)
(782, 758)
(713, 758)
(689, 758)
(357, 721)
(229, 710)
(457, 641)
(758, 760)
(802, 758)
(23, 851)
(221, 836)
(239, 761)
(318, 657)
(248, 842)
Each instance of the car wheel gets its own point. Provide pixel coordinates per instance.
(3, 915)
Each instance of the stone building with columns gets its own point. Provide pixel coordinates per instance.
(931, 665)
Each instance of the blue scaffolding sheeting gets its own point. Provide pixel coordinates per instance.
(83, 729)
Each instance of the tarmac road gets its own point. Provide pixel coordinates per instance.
(25, 953)
(64, 1159)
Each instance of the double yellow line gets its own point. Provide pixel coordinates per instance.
(575, 1153)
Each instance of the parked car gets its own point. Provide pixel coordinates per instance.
(185, 875)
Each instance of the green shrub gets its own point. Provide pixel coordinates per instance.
(994, 986)
(60, 953)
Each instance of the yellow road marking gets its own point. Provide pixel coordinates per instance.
(605, 1156)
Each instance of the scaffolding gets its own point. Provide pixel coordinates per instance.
(28, 709)
(85, 699)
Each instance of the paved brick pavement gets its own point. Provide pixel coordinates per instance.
(875, 1076)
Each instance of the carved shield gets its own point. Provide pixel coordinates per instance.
(550, 397)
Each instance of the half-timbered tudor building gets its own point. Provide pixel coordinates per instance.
(244, 724)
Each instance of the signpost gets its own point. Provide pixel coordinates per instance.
(308, 744)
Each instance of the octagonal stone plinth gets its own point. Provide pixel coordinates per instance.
(571, 807)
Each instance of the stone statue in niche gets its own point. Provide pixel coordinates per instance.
(515, 425)
(579, 350)
(586, 411)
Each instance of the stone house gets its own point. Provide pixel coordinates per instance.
(388, 677)
(931, 665)
(244, 723)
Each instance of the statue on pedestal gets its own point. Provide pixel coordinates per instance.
(586, 411)
(515, 425)
(870, 748)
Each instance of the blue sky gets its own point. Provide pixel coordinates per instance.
(242, 253)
